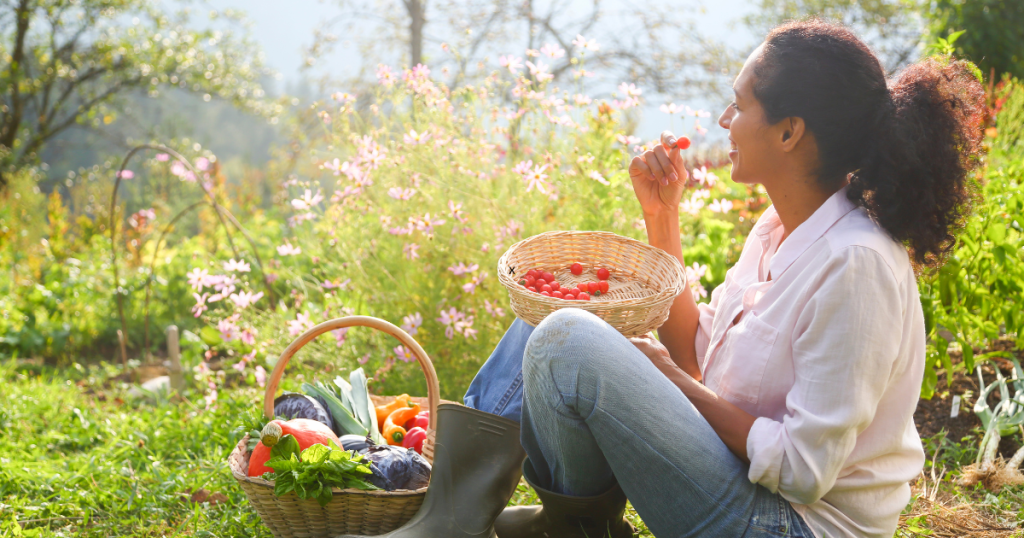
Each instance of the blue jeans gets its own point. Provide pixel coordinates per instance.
(595, 411)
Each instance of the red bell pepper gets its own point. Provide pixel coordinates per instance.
(421, 420)
(414, 439)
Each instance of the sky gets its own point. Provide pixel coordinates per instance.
(282, 33)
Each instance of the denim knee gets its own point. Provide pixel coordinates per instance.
(561, 334)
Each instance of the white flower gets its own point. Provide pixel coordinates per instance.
(307, 201)
(596, 176)
(288, 250)
(240, 266)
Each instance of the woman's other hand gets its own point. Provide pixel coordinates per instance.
(655, 351)
(658, 177)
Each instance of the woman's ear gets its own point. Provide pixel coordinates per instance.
(793, 130)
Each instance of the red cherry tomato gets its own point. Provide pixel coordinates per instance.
(529, 281)
(555, 286)
(583, 297)
(539, 282)
(546, 294)
(557, 295)
(547, 288)
(602, 286)
(602, 273)
(592, 287)
(576, 269)
(582, 286)
(533, 289)
(682, 142)
(548, 276)
(570, 295)
(534, 273)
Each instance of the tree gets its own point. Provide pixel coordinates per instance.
(65, 63)
(994, 32)
(656, 46)
(893, 28)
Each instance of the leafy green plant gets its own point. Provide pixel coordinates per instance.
(312, 473)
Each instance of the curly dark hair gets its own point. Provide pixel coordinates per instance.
(907, 147)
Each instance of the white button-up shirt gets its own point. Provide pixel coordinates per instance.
(822, 338)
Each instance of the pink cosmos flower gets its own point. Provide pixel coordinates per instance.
(411, 323)
(537, 178)
(456, 211)
(343, 97)
(399, 193)
(409, 250)
(200, 305)
(364, 359)
(540, 71)
(462, 269)
(413, 138)
(162, 157)
(261, 376)
(240, 266)
(704, 177)
(202, 163)
(307, 201)
(404, 354)
(627, 140)
(523, 167)
(336, 284)
(630, 90)
(126, 174)
(470, 287)
(245, 299)
(698, 113)
(582, 100)
(581, 73)
(228, 329)
(512, 63)
(247, 337)
(198, 278)
(697, 127)
(670, 108)
(585, 44)
(596, 176)
(552, 51)
(299, 325)
(339, 336)
(288, 250)
(384, 75)
(493, 309)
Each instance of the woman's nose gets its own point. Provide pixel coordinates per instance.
(726, 118)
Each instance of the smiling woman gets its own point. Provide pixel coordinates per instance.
(784, 407)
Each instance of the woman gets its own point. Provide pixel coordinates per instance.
(784, 407)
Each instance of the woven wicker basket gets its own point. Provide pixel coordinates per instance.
(644, 280)
(350, 511)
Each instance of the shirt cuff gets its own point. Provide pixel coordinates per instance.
(765, 449)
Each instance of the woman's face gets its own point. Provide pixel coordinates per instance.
(753, 155)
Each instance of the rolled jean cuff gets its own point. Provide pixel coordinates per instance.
(498, 386)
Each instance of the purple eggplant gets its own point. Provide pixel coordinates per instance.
(295, 405)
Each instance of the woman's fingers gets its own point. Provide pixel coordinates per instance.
(665, 163)
(668, 140)
(638, 169)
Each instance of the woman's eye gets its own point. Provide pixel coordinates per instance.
(734, 105)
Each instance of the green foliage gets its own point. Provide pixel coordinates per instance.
(994, 37)
(892, 27)
(69, 63)
(313, 473)
(976, 296)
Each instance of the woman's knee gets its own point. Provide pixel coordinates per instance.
(569, 334)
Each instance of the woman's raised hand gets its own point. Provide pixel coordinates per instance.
(659, 177)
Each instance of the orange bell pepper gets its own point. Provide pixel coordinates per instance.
(393, 432)
(384, 410)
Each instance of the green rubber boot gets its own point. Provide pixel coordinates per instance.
(564, 516)
(477, 462)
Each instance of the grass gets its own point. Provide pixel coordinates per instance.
(78, 457)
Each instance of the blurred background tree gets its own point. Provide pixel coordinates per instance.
(64, 64)
(993, 36)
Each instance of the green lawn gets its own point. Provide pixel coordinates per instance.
(78, 457)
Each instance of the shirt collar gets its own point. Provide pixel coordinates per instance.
(835, 208)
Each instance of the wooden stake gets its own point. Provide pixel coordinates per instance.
(124, 350)
(174, 355)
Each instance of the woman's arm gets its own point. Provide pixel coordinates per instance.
(658, 178)
(731, 423)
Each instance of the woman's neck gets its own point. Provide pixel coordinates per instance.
(795, 200)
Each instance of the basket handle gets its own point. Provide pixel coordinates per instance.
(433, 389)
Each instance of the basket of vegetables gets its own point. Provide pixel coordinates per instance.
(628, 283)
(335, 459)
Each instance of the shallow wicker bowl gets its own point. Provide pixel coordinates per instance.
(644, 280)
